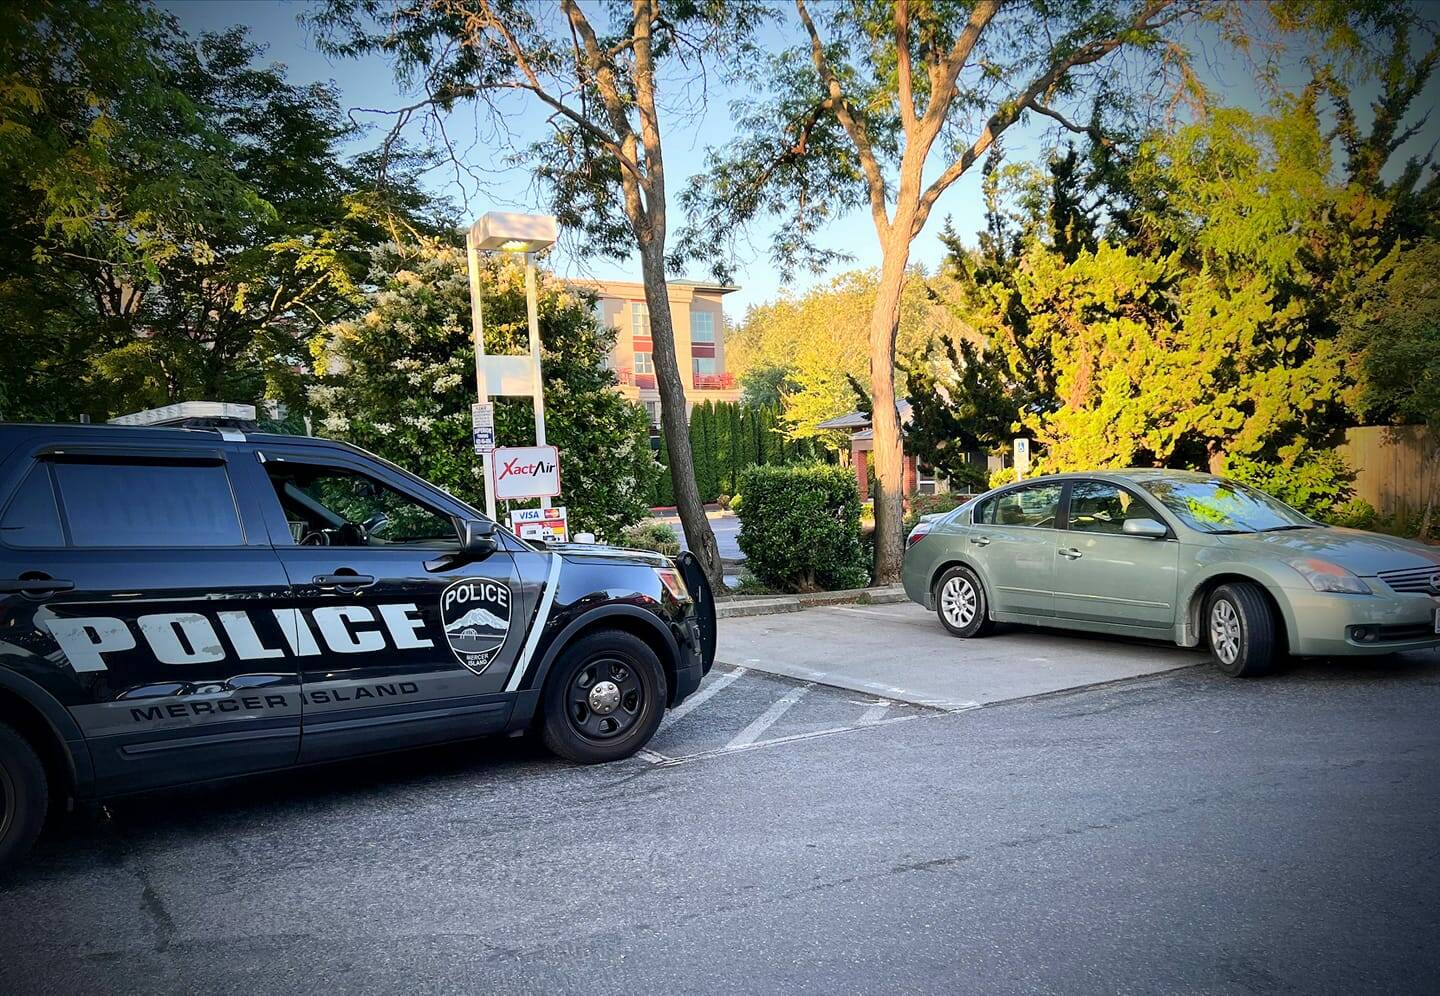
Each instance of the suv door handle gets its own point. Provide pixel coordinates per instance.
(344, 581)
(1070, 554)
(980, 540)
(35, 586)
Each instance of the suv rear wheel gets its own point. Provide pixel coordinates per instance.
(604, 699)
(23, 797)
(1240, 627)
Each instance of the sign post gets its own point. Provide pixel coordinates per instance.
(482, 396)
(1022, 457)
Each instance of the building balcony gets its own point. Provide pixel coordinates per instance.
(629, 378)
(714, 382)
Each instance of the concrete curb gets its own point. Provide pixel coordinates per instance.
(761, 605)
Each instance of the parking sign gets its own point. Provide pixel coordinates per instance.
(482, 427)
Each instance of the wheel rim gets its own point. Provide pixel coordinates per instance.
(1225, 632)
(959, 602)
(606, 698)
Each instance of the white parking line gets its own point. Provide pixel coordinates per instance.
(767, 718)
(716, 684)
(874, 713)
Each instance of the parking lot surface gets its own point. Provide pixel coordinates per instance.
(1179, 833)
(901, 651)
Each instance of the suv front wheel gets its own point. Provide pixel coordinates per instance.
(604, 699)
(23, 797)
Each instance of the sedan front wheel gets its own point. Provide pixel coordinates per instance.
(1240, 626)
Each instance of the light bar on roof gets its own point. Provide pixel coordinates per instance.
(170, 414)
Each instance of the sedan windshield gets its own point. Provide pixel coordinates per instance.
(1215, 505)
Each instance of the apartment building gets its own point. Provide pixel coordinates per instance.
(698, 313)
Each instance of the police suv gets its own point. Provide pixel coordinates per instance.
(183, 604)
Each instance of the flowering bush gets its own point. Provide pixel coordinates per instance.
(400, 380)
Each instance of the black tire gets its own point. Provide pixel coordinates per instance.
(580, 722)
(1240, 628)
(961, 604)
(24, 797)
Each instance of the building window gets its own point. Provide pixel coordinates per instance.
(639, 320)
(652, 408)
(702, 327)
(644, 364)
(704, 366)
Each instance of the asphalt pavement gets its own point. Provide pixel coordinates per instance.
(1177, 833)
(725, 525)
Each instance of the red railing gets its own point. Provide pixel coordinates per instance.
(630, 378)
(714, 382)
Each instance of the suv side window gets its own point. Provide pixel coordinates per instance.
(136, 502)
(32, 518)
(1036, 505)
(1101, 507)
(335, 506)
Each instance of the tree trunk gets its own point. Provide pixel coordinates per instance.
(699, 537)
(888, 456)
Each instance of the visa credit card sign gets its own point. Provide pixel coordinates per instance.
(526, 472)
(548, 525)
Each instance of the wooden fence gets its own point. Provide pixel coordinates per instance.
(1397, 467)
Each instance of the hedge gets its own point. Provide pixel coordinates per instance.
(800, 527)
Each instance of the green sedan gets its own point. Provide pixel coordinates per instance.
(1174, 555)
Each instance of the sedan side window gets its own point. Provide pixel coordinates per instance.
(1036, 506)
(1100, 507)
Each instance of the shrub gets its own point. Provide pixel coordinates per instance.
(800, 528)
(652, 534)
(1316, 483)
(931, 505)
(724, 502)
(1005, 475)
(1356, 514)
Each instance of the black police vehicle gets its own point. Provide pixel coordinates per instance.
(182, 605)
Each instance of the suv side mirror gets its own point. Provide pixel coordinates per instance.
(1146, 528)
(477, 541)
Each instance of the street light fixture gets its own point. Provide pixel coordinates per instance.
(505, 232)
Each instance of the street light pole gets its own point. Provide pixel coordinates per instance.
(532, 311)
(477, 326)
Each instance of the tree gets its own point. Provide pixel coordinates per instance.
(179, 219)
(961, 402)
(399, 379)
(604, 165)
(856, 115)
(815, 343)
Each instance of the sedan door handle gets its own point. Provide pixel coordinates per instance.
(35, 586)
(1070, 554)
(980, 540)
(344, 581)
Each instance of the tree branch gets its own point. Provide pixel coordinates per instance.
(1009, 112)
(1095, 133)
(874, 179)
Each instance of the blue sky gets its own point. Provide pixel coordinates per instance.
(370, 84)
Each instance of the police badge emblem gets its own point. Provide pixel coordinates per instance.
(476, 615)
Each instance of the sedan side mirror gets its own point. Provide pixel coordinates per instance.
(1146, 528)
(477, 541)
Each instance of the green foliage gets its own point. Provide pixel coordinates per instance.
(921, 505)
(652, 534)
(961, 407)
(181, 218)
(399, 380)
(800, 527)
(1355, 514)
(1316, 482)
(726, 438)
(1396, 334)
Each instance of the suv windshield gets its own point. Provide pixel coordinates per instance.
(1215, 505)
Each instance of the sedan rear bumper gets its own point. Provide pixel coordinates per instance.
(1330, 625)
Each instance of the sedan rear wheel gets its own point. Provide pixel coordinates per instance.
(1240, 626)
(960, 603)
